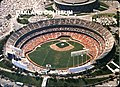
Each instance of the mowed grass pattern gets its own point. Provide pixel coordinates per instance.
(45, 55)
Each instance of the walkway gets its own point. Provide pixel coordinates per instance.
(110, 69)
(101, 76)
(115, 64)
(7, 70)
(44, 82)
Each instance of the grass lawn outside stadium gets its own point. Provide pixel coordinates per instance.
(44, 54)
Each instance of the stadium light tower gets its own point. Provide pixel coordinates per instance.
(73, 61)
(79, 53)
(78, 61)
(82, 57)
(86, 52)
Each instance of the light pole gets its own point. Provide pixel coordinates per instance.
(82, 57)
(78, 60)
(86, 57)
(73, 61)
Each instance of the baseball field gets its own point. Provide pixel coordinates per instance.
(57, 53)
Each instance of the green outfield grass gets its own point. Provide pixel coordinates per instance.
(45, 55)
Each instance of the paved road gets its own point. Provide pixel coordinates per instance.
(101, 76)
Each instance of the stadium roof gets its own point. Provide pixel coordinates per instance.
(74, 1)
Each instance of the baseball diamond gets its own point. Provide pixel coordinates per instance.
(49, 53)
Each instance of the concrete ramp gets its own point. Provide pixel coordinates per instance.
(44, 82)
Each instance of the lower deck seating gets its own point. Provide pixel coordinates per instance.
(85, 40)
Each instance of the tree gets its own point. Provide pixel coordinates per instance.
(36, 73)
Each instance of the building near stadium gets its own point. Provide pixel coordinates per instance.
(77, 5)
(96, 40)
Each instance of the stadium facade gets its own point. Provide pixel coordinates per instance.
(77, 5)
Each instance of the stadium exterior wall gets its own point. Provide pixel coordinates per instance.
(76, 8)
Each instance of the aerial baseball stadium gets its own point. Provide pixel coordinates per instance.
(77, 47)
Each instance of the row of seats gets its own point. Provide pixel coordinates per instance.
(68, 29)
(87, 41)
(13, 38)
(93, 26)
